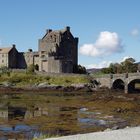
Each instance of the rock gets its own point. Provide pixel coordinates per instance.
(69, 88)
(108, 129)
(45, 85)
(81, 85)
(78, 86)
(115, 127)
(127, 127)
(102, 122)
(91, 87)
(83, 109)
(42, 85)
(120, 110)
(54, 87)
(7, 84)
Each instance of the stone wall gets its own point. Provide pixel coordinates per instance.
(60, 50)
(21, 61)
(13, 61)
(4, 59)
(58, 53)
(54, 66)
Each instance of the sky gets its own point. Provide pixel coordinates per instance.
(108, 30)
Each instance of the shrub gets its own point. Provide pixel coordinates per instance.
(47, 78)
(5, 70)
(30, 69)
(15, 79)
(67, 81)
(80, 69)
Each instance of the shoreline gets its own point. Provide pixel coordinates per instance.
(51, 88)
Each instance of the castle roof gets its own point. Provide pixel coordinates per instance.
(62, 31)
(5, 50)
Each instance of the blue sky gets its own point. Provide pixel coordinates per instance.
(108, 30)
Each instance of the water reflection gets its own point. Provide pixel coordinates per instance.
(12, 121)
(90, 121)
(15, 112)
(27, 116)
(10, 113)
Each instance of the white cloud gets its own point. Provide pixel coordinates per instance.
(90, 50)
(102, 64)
(107, 43)
(135, 32)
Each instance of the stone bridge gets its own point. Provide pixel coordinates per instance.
(126, 81)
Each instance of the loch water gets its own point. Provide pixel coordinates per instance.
(33, 115)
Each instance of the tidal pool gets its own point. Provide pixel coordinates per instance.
(31, 115)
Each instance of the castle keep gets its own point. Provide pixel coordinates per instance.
(57, 53)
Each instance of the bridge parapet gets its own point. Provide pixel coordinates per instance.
(108, 80)
(134, 74)
(118, 75)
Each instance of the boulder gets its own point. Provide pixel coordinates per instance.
(7, 84)
(43, 85)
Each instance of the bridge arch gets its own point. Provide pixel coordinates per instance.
(118, 84)
(134, 86)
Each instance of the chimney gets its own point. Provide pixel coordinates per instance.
(30, 50)
(49, 30)
(13, 45)
(67, 28)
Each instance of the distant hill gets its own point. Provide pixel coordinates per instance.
(93, 70)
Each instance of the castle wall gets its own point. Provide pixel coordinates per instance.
(60, 49)
(45, 66)
(36, 60)
(4, 61)
(28, 58)
(54, 66)
(13, 61)
(21, 61)
(67, 66)
(58, 53)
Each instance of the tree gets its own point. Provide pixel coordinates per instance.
(80, 69)
(5, 70)
(117, 68)
(129, 65)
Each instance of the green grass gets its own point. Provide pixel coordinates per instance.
(21, 79)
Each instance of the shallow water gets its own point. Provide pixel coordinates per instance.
(28, 116)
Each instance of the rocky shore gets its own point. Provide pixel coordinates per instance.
(86, 87)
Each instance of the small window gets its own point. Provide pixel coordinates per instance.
(2, 61)
(42, 56)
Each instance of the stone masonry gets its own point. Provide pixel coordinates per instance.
(57, 53)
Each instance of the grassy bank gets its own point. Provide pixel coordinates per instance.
(21, 79)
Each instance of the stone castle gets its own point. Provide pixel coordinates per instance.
(57, 53)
